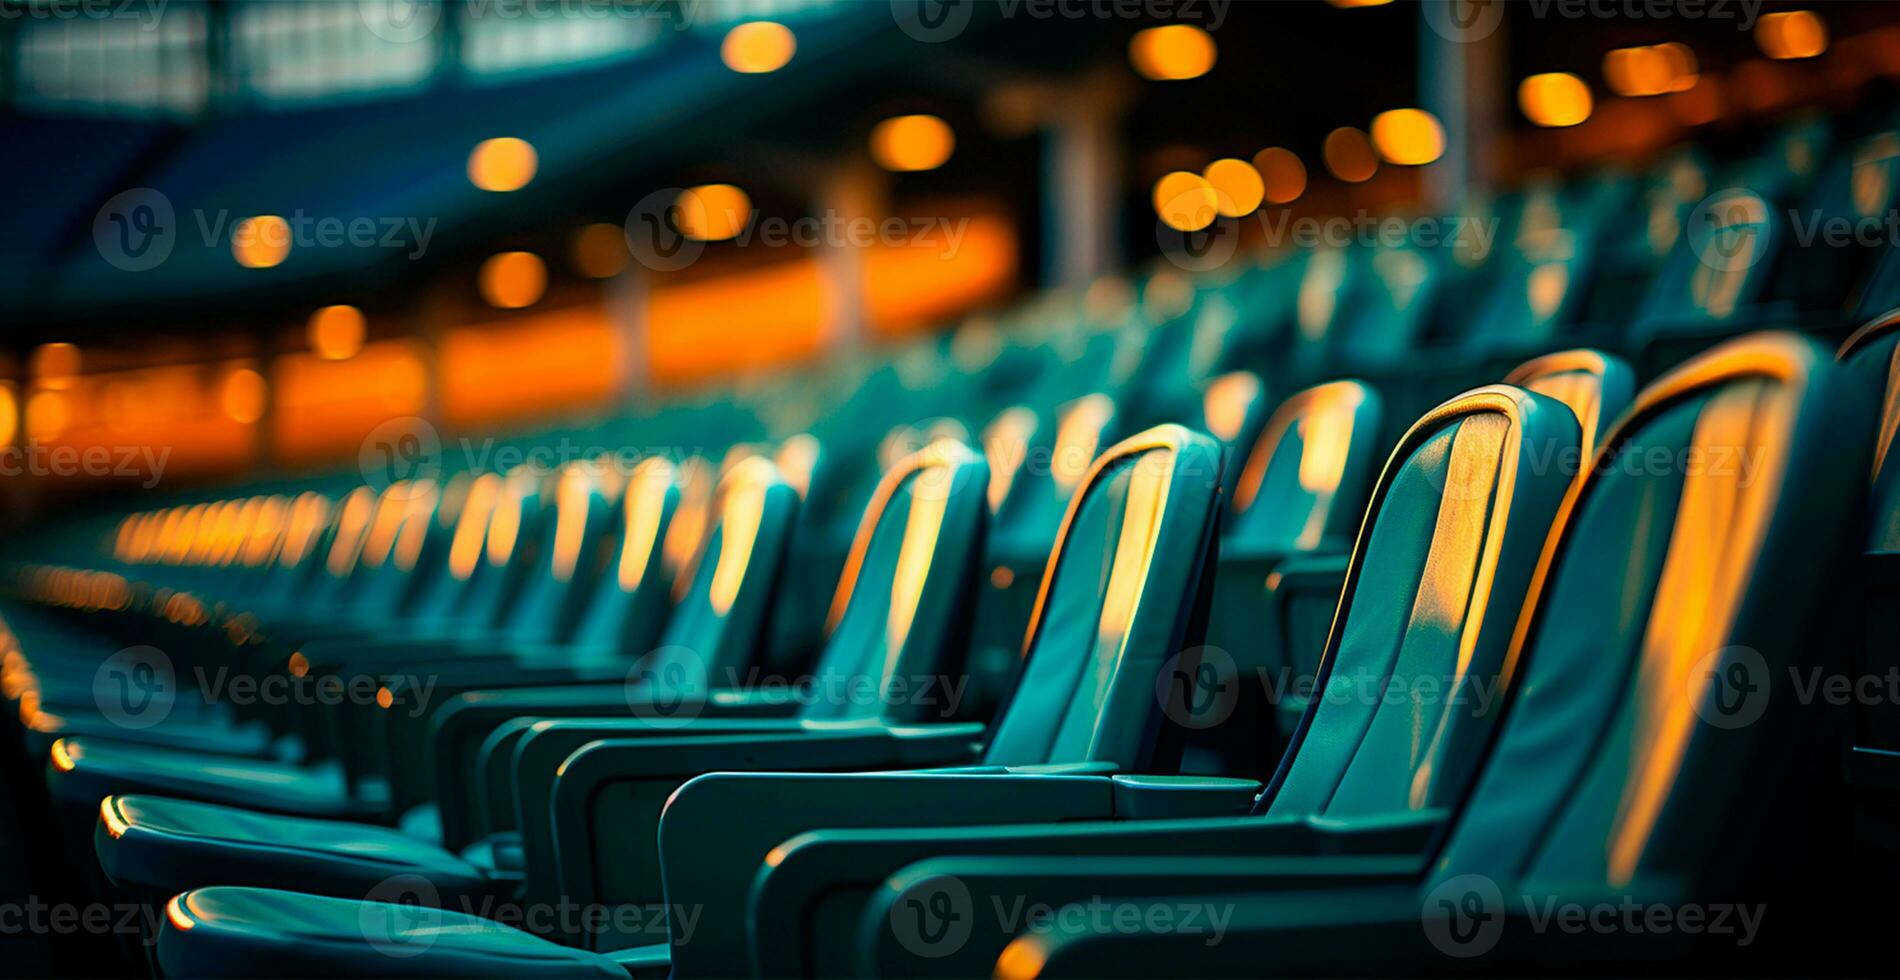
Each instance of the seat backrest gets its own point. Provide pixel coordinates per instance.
(1407, 689)
(1873, 355)
(718, 623)
(404, 515)
(1681, 589)
(1720, 265)
(1233, 408)
(1046, 481)
(1301, 485)
(1594, 385)
(1123, 593)
(555, 582)
(517, 520)
(900, 616)
(633, 592)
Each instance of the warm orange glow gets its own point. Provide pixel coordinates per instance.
(261, 242)
(336, 332)
(176, 913)
(1226, 402)
(758, 47)
(55, 365)
(1172, 53)
(1555, 99)
(9, 413)
(383, 698)
(770, 316)
(1791, 34)
(513, 280)
(914, 142)
(1349, 156)
(243, 395)
(574, 499)
(1408, 137)
(504, 526)
(63, 758)
(1006, 445)
(465, 547)
(713, 212)
(322, 409)
(741, 513)
(1078, 437)
(502, 164)
(1653, 69)
(1186, 201)
(47, 415)
(536, 364)
(1282, 175)
(299, 665)
(109, 815)
(913, 287)
(600, 251)
(1024, 957)
(646, 496)
(1238, 189)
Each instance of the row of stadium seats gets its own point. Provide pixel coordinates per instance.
(1097, 622)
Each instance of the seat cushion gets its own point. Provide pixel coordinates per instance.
(87, 771)
(167, 846)
(200, 732)
(255, 932)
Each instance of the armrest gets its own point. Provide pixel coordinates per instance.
(719, 829)
(1465, 925)
(1302, 595)
(461, 727)
(1161, 797)
(619, 787)
(1297, 919)
(837, 866)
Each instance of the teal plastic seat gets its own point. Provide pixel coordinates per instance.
(155, 845)
(1873, 355)
(1412, 681)
(87, 771)
(257, 932)
(910, 569)
(1634, 761)
(1120, 599)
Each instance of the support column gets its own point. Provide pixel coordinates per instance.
(852, 192)
(1461, 81)
(627, 297)
(1081, 183)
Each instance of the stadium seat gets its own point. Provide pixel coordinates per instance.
(1411, 681)
(725, 615)
(1632, 767)
(897, 620)
(1123, 593)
